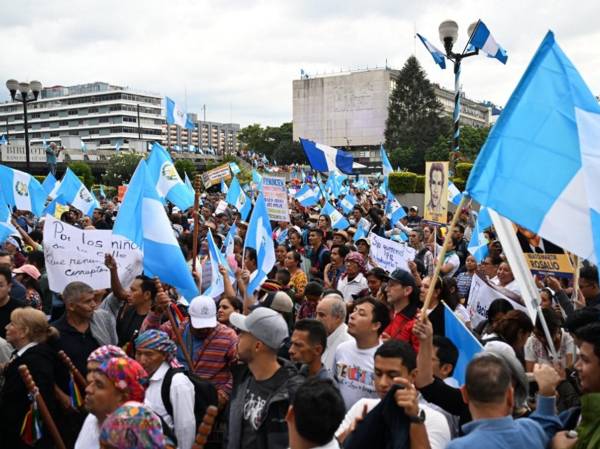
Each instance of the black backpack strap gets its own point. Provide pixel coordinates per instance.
(165, 389)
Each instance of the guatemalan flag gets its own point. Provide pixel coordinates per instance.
(348, 203)
(238, 199)
(324, 158)
(454, 195)
(338, 221)
(540, 165)
(217, 285)
(437, 55)
(75, 193)
(468, 346)
(176, 116)
(49, 183)
(142, 220)
(478, 246)
(167, 182)
(307, 196)
(21, 190)
(261, 240)
(484, 41)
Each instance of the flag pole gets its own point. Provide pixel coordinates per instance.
(77, 376)
(176, 331)
(197, 185)
(39, 399)
(441, 256)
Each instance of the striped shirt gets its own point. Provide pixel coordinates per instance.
(212, 357)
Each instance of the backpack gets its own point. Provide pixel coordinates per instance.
(205, 393)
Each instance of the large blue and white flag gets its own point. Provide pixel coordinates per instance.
(338, 221)
(540, 165)
(360, 233)
(238, 199)
(166, 180)
(21, 190)
(386, 166)
(143, 220)
(49, 183)
(478, 246)
(176, 116)
(188, 184)
(437, 55)
(259, 237)
(454, 195)
(484, 41)
(51, 207)
(257, 179)
(348, 203)
(324, 158)
(307, 196)
(468, 346)
(75, 193)
(224, 188)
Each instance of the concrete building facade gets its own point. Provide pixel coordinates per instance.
(221, 137)
(350, 110)
(99, 114)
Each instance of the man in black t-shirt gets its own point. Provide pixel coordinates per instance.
(132, 313)
(7, 304)
(264, 386)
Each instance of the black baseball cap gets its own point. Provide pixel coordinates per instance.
(402, 276)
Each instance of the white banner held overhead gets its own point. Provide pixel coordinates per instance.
(390, 255)
(73, 254)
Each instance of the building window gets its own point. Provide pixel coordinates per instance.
(73, 112)
(92, 110)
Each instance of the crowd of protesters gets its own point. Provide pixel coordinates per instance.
(331, 351)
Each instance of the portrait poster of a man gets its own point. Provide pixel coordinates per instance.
(436, 192)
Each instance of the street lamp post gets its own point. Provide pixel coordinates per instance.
(14, 87)
(448, 30)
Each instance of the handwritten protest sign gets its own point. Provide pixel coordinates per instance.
(390, 255)
(275, 193)
(481, 296)
(73, 254)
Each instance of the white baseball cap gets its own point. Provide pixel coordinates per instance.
(203, 312)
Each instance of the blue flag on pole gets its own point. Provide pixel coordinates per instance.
(478, 246)
(217, 285)
(484, 41)
(468, 346)
(21, 190)
(348, 203)
(143, 220)
(49, 183)
(307, 196)
(259, 237)
(75, 193)
(437, 55)
(176, 116)
(230, 240)
(238, 199)
(360, 233)
(540, 165)
(257, 179)
(166, 180)
(454, 195)
(338, 221)
(324, 158)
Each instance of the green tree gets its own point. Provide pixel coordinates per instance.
(414, 117)
(440, 150)
(184, 166)
(275, 142)
(471, 141)
(84, 172)
(120, 168)
(252, 136)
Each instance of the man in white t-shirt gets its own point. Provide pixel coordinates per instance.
(395, 364)
(353, 361)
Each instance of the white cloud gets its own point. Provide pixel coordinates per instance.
(240, 57)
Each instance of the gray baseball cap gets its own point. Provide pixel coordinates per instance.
(264, 324)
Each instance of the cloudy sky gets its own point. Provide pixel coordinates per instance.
(239, 57)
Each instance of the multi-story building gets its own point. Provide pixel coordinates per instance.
(350, 110)
(221, 137)
(99, 114)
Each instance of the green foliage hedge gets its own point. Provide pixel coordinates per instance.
(463, 169)
(420, 184)
(460, 183)
(402, 182)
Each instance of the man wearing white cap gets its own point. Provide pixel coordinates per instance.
(264, 386)
(211, 345)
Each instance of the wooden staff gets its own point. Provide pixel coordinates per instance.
(178, 337)
(205, 427)
(197, 186)
(441, 256)
(79, 379)
(48, 421)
